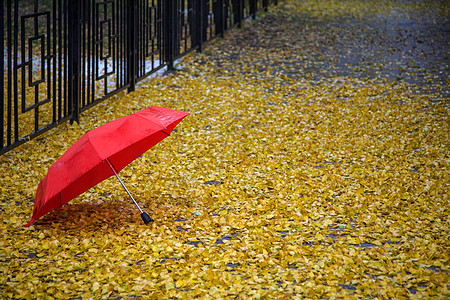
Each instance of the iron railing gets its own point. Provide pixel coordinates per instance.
(61, 57)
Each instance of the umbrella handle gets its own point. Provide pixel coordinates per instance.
(145, 217)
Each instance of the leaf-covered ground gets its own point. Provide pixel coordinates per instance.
(314, 164)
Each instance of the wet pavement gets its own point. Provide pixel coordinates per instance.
(408, 41)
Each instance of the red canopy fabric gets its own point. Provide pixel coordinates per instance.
(84, 164)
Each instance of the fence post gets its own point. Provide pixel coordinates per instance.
(132, 33)
(199, 24)
(237, 11)
(170, 36)
(74, 61)
(205, 20)
(2, 80)
(219, 17)
(253, 7)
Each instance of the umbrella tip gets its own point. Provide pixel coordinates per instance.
(31, 222)
(146, 218)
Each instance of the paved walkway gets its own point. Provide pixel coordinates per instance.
(408, 42)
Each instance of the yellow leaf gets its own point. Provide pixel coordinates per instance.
(180, 283)
(95, 286)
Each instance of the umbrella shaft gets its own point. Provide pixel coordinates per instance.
(121, 182)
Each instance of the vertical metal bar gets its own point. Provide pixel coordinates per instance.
(153, 32)
(93, 53)
(125, 41)
(219, 18)
(159, 28)
(9, 46)
(141, 30)
(131, 42)
(48, 59)
(113, 43)
(74, 59)
(176, 25)
(253, 7)
(59, 75)
(142, 39)
(181, 32)
(226, 6)
(174, 8)
(105, 16)
(205, 20)
(157, 45)
(64, 57)
(184, 32)
(2, 80)
(108, 46)
(167, 33)
(83, 52)
(119, 43)
(15, 51)
(121, 56)
(238, 11)
(148, 41)
(53, 63)
(24, 63)
(199, 24)
(171, 32)
(36, 87)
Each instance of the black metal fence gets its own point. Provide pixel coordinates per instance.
(61, 57)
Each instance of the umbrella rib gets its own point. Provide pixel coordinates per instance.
(120, 180)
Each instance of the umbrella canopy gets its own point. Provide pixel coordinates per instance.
(100, 153)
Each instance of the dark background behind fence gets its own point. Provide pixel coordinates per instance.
(61, 57)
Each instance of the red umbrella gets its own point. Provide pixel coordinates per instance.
(101, 153)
